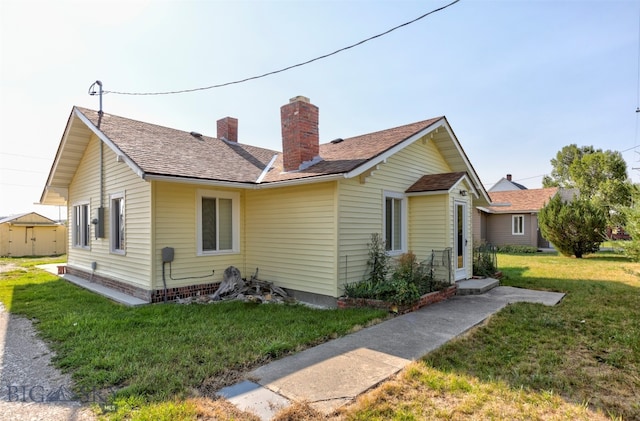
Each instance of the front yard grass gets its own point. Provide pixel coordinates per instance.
(161, 353)
(577, 360)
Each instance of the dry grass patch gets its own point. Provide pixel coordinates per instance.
(423, 392)
(300, 411)
(219, 410)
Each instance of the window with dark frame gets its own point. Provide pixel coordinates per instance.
(517, 225)
(117, 224)
(217, 224)
(393, 224)
(81, 226)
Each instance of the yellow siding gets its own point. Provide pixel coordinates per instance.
(175, 222)
(5, 249)
(135, 266)
(291, 236)
(361, 204)
(428, 216)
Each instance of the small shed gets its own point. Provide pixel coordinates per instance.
(31, 234)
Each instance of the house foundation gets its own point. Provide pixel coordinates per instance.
(150, 296)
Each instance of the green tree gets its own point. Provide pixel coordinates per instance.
(575, 228)
(632, 214)
(600, 176)
(560, 176)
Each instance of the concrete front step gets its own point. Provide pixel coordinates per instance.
(476, 286)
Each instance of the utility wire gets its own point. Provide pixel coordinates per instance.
(288, 67)
(529, 178)
(628, 149)
(22, 170)
(23, 156)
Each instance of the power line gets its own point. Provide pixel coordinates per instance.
(628, 149)
(288, 67)
(21, 170)
(20, 185)
(529, 178)
(23, 156)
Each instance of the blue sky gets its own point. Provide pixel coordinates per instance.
(517, 80)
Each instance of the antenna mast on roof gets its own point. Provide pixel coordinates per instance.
(92, 92)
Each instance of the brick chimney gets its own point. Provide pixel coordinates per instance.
(508, 177)
(228, 129)
(300, 137)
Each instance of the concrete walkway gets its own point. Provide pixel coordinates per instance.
(117, 296)
(334, 373)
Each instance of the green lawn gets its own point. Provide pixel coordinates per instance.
(577, 360)
(159, 353)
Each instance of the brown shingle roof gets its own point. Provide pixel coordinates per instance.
(164, 151)
(161, 150)
(436, 182)
(347, 155)
(531, 200)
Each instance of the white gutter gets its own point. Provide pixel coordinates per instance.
(199, 181)
(299, 181)
(241, 185)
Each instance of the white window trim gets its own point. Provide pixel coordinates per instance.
(514, 225)
(88, 224)
(235, 220)
(112, 225)
(403, 219)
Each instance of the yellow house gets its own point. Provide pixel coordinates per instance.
(31, 234)
(157, 212)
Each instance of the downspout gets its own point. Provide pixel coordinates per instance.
(101, 145)
(99, 221)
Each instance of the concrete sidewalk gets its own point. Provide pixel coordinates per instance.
(334, 373)
(117, 296)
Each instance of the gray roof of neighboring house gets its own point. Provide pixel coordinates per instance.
(499, 186)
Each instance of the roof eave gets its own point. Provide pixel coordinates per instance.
(479, 190)
(120, 154)
(470, 170)
(56, 160)
(57, 194)
(377, 160)
(248, 185)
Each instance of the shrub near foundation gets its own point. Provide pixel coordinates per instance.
(408, 281)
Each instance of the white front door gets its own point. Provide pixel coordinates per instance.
(460, 240)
